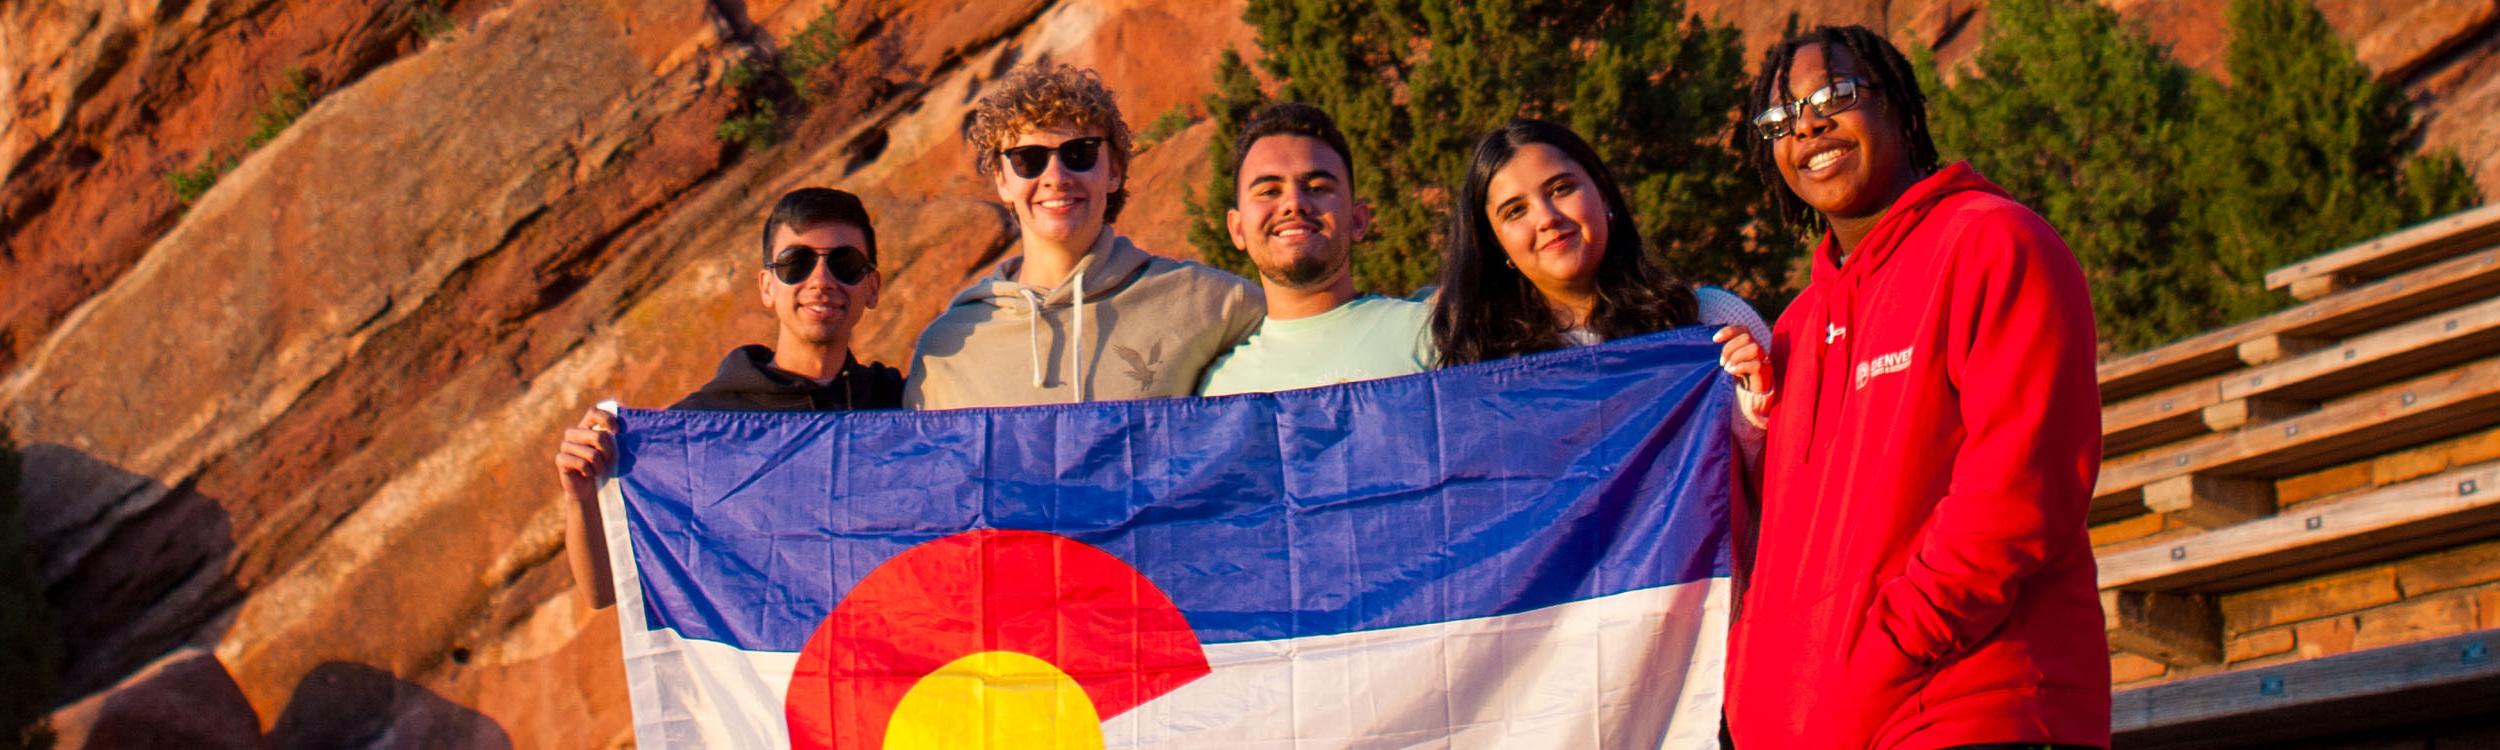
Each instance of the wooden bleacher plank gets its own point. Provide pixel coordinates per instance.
(2194, 357)
(2319, 286)
(2241, 412)
(2174, 629)
(2370, 422)
(2427, 242)
(2374, 526)
(2291, 386)
(2270, 348)
(2210, 502)
(2421, 345)
(2470, 278)
(2444, 678)
(2160, 417)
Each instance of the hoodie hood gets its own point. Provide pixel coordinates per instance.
(1903, 215)
(1108, 266)
(746, 381)
(1125, 324)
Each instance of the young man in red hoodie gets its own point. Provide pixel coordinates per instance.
(1920, 575)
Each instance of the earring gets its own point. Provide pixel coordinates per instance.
(1507, 264)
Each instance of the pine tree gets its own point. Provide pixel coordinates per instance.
(2304, 151)
(2079, 118)
(1414, 83)
(2176, 192)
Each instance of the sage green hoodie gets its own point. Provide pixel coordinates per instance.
(1126, 324)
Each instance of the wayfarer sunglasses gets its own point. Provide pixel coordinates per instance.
(1078, 156)
(797, 262)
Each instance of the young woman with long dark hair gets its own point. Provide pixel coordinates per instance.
(1543, 253)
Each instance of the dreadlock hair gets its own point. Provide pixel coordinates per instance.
(1489, 311)
(1884, 70)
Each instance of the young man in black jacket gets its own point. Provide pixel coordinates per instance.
(819, 275)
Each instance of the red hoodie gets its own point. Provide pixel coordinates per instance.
(1922, 577)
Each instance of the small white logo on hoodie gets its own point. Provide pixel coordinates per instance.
(1884, 365)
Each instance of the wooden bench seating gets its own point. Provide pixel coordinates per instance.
(2297, 384)
(2455, 677)
(2225, 478)
(2409, 295)
(2376, 525)
(2396, 345)
(2412, 246)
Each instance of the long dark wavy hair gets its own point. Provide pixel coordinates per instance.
(1488, 310)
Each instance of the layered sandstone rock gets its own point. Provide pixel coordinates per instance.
(287, 447)
(306, 428)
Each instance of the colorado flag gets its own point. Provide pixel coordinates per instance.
(1520, 554)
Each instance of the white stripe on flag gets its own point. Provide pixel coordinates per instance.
(1608, 672)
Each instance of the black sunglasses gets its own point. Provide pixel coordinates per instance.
(797, 262)
(1781, 119)
(1078, 156)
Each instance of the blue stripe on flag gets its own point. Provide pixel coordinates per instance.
(1470, 492)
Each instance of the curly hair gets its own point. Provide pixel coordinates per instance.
(1034, 97)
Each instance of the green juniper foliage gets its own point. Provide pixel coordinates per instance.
(2080, 118)
(430, 20)
(2304, 151)
(770, 96)
(289, 98)
(292, 97)
(1166, 126)
(754, 126)
(816, 45)
(1414, 83)
(2178, 193)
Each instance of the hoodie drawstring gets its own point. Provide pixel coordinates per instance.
(1033, 333)
(1076, 332)
(1077, 350)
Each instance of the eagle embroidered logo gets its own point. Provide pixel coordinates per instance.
(1142, 369)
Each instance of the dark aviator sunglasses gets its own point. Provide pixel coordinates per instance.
(1078, 156)
(797, 262)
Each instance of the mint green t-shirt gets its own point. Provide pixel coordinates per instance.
(1368, 338)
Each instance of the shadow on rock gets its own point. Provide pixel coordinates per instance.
(188, 700)
(135, 569)
(183, 700)
(344, 705)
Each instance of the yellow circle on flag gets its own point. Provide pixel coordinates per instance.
(995, 699)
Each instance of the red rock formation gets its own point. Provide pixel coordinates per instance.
(301, 426)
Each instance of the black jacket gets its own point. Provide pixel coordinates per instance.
(747, 382)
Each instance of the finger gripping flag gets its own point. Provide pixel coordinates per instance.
(1528, 553)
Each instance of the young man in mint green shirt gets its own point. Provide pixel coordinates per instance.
(1296, 216)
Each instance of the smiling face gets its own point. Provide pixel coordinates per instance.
(820, 310)
(1550, 219)
(1296, 217)
(1059, 206)
(1851, 165)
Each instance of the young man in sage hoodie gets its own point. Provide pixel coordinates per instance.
(1082, 314)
